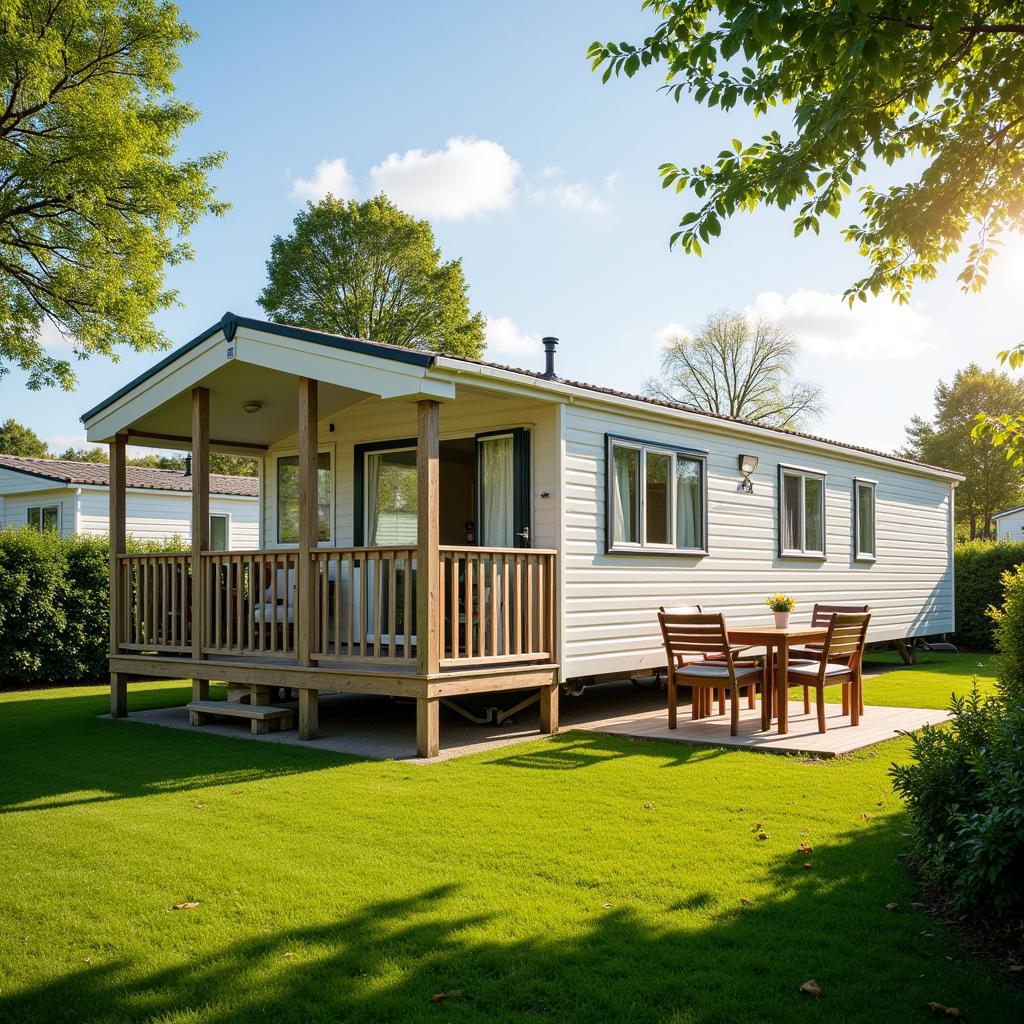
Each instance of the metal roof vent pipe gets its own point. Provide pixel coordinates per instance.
(550, 344)
(188, 465)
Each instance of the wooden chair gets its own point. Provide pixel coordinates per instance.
(709, 697)
(703, 635)
(839, 663)
(822, 616)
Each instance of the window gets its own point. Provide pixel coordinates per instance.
(390, 485)
(864, 520)
(656, 498)
(801, 512)
(44, 518)
(288, 498)
(219, 532)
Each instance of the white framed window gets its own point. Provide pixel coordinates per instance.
(864, 516)
(287, 483)
(44, 518)
(801, 512)
(656, 498)
(220, 532)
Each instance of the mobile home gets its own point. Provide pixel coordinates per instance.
(71, 497)
(435, 526)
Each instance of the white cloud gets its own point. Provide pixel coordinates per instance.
(669, 333)
(574, 196)
(53, 339)
(504, 338)
(330, 176)
(611, 180)
(825, 325)
(61, 441)
(468, 177)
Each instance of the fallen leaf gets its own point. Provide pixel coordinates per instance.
(804, 848)
(605, 906)
(807, 865)
(746, 902)
(88, 959)
(865, 817)
(762, 835)
(199, 807)
(442, 996)
(648, 806)
(189, 905)
(289, 956)
(945, 1011)
(891, 906)
(236, 792)
(811, 988)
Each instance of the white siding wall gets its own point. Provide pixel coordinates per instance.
(469, 414)
(1011, 527)
(20, 492)
(160, 515)
(610, 601)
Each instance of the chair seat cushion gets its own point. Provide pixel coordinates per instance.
(265, 613)
(811, 669)
(710, 671)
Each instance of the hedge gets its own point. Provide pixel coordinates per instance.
(979, 567)
(54, 607)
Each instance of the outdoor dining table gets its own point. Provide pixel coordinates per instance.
(776, 641)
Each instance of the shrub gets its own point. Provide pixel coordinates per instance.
(979, 567)
(55, 606)
(965, 787)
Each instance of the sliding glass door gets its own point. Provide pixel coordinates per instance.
(503, 489)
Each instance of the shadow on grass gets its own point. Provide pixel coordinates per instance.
(700, 960)
(90, 759)
(575, 749)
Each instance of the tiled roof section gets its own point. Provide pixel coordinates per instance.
(140, 477)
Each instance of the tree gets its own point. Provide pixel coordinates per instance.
(738, 366)
(368, 270)
(94, 454)
(228, 465)
(992, 482)
(17, 439)
(937, 81)
(93, 203)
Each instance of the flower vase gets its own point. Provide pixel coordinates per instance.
(781, 620)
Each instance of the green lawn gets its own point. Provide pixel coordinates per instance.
(578, 879)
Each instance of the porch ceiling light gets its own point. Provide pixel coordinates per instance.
(251, 407)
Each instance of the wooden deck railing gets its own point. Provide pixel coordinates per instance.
(250, 601)
(156, 603)
(497, 605)
(365, 603)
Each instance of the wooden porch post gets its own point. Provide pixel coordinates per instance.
(428, 568)
(308, 519)
(200, 526)
(427, 731)
(118, 680)
(549, 709)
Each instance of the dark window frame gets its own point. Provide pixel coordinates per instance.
(802, 472)
(660, 550)
(872, 485)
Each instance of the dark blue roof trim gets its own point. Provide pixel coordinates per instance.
(229, 323)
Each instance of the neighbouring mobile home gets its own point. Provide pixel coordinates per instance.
(432, 526)
(71, 498)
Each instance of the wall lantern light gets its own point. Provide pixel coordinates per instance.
(748, 465)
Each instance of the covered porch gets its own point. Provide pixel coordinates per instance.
(418, 618)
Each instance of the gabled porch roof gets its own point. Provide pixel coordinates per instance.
(242, 361)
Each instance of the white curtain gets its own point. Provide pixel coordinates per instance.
(689, 516)
(625, 485)
(496, 470)
(371, 487)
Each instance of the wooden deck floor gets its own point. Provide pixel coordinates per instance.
(877, 724)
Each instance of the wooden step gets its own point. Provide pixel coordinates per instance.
(261, 718)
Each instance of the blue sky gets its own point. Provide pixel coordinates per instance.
(486, 119)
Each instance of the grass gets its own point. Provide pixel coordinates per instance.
(928, 684)
(578, 879)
